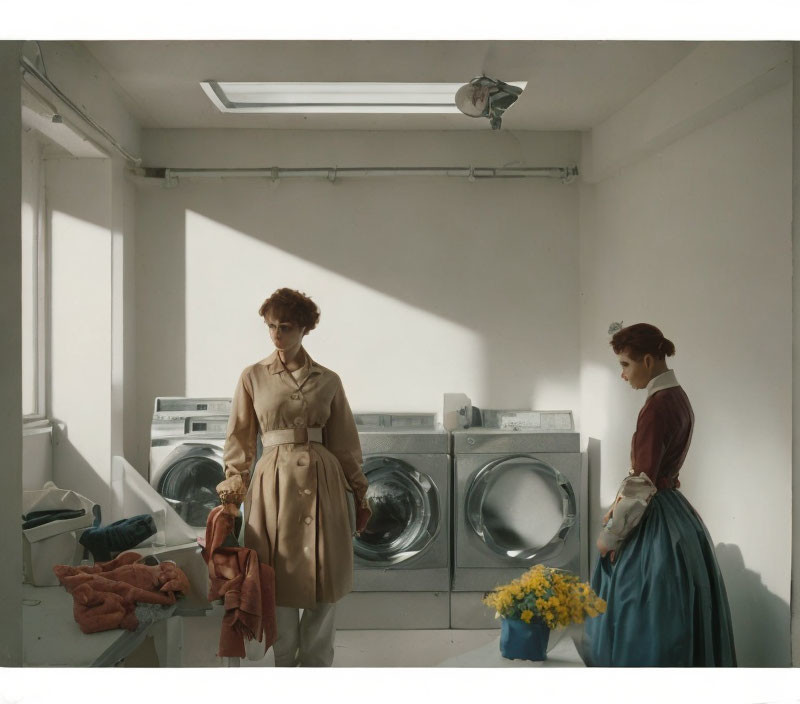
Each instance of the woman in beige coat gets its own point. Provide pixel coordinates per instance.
(296, 513)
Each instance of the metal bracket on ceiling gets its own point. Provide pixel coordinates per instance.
(275, 174)
(170, 179)
(570, 173)
(332, 175)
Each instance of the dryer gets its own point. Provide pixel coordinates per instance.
(518, 496)
(402, 559)
(186, 442)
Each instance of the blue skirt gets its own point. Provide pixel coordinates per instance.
(666, 600)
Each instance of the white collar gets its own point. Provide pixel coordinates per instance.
(663, 381)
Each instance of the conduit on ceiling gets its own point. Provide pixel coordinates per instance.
(27, 67)
(172, 177)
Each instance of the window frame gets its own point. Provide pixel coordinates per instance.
(40, 417)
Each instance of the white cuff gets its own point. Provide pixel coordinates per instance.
(633, 496)
(609, 540)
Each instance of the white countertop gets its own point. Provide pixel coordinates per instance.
(52, 637)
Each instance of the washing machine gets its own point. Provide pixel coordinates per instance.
(519, 499)
(186, 442)
(402, 559)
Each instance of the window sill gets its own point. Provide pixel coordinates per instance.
(36, 426)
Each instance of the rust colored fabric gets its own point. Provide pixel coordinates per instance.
(105, 595)
(246, 586)
(295, 511)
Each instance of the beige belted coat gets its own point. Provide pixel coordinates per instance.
(295, 512)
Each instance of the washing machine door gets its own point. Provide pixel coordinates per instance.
(521, 508)
(406, 513)
(188, 483)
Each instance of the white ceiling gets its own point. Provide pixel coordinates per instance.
(572, 85)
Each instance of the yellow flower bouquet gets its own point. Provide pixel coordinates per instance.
(543, 597)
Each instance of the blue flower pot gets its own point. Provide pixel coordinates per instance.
(523, 641)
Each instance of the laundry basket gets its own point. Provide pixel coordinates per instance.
(56, 542)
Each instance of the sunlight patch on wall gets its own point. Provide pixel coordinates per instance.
(596, 380)
(80, 333)
(390, 356)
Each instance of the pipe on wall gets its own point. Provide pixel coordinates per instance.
(172, 177)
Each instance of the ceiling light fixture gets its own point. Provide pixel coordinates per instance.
(240, 97)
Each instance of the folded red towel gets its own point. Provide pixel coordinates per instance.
(246, 586)
(105, 595)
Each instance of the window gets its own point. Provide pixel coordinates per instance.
(33, 280)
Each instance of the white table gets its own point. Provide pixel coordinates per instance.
(52, 638)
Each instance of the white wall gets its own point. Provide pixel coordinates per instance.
(79, 215)
(795, 602)
(695, 238)
(425, 285)
(91, 203)
(10, 347)
(37, 457)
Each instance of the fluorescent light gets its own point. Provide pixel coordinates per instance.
(239, 97)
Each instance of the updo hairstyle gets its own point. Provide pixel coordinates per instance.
(640, 339)
(288, 305)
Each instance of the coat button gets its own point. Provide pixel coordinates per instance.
(299, 422)
(307, 492)
(308, 520)
(302, 461)
(295, 396)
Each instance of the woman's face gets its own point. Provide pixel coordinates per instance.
(285, 335)
(637, 374)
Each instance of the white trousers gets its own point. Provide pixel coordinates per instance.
(306, 641)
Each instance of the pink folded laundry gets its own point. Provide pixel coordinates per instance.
(105, 595)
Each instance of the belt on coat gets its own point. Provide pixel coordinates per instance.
(291, 436)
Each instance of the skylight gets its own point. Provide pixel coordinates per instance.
(237, 97)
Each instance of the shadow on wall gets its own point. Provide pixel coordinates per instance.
(760, 624)
(72, 471)
(496, 267)
(496, 258)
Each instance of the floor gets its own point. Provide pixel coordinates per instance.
(430, 648)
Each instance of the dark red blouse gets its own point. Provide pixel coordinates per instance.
(662, 438)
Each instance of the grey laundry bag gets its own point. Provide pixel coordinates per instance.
(54, 543)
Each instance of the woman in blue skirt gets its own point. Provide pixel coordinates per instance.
(667, 605)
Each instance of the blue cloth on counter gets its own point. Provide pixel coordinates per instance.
(666, 599)
(118, 536)
(39, 518)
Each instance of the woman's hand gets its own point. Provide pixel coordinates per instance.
(610, 513)
(363, 514)
(603, 550)
(231, 493)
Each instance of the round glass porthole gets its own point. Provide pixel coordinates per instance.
(405, 512)
(189, 483)
(521, 508)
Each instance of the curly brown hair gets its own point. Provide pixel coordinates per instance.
(288, 305)
(640, 339)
